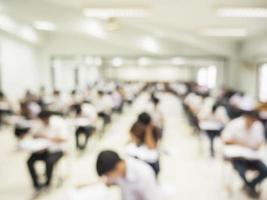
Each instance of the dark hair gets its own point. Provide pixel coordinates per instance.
(155, 101)
(106, 162)
(74, 92)
(2, 95)
(138, 130)
(56, 92)
(100, 92)
(144, 118)
(44, 115)
(252, 114)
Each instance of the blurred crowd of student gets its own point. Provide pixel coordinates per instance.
(238, 119)
(41, 121)
(41, 124)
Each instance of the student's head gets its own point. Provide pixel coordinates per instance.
(110, 164)
(250, 118)
(155, 101)
(137, 132)
(2, 95)
(44, 116)
(56, 93)
(100, 93)
(73, 92)
(144, 118)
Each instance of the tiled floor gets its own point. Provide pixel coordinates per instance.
(187, 171)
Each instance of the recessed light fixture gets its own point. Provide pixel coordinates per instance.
(224, 32)
(98, 61)
(115, 12)
(178, 61)
(95, 29)
(117, 62)
(143, 61)
(44, 26)
(243, 12)
(8, 24)
(28, 33)
(150, 44)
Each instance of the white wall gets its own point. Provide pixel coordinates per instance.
(163, 73)
(20, 62)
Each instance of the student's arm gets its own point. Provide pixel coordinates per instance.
(149, 138)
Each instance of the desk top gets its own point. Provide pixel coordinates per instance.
(211, 125)
(34, 145)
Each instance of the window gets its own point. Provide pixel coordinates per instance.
(263, 83)
(207, 76)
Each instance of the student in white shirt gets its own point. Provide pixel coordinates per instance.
(104, 105)
(135, 178)
(157, 114)
(144, 142)
(86, 113)
(52, 130)
(5, 107)
(247, 132)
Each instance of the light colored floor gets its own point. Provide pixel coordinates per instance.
(187, 171)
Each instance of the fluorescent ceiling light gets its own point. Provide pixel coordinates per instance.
(245, 12)
(28, 33)
(144, 61)
(95, 29)
(44, 26)
(115, 12)
(224, 32)
(178, 61)
(8, 24)
(150, 44)
(117, 62)
(98, 61)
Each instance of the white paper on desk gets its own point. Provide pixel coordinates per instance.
(94, 192)
(210, 125)
(80, 122)
(34, 145)
(236, 151)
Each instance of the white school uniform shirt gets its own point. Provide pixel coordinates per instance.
(140, 182)
(89, 112)
(56, 128)
(104, 104)
(236, 130)
(142, 152)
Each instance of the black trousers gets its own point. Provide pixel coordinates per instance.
(21, 131)
(242, 166)
(87, 131)
(50, 159)
(106, 117)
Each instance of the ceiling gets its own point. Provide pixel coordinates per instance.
(172, 23)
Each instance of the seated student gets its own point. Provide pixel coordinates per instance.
(29, 106)
(135, 178)
(247, 132)
(145, 119)
(117, 101)
(104, 106)
(5, 107)
(157, 114)
(144, 146)
(51, 129)
(140, 149)
(86, 113)
(58, 103)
